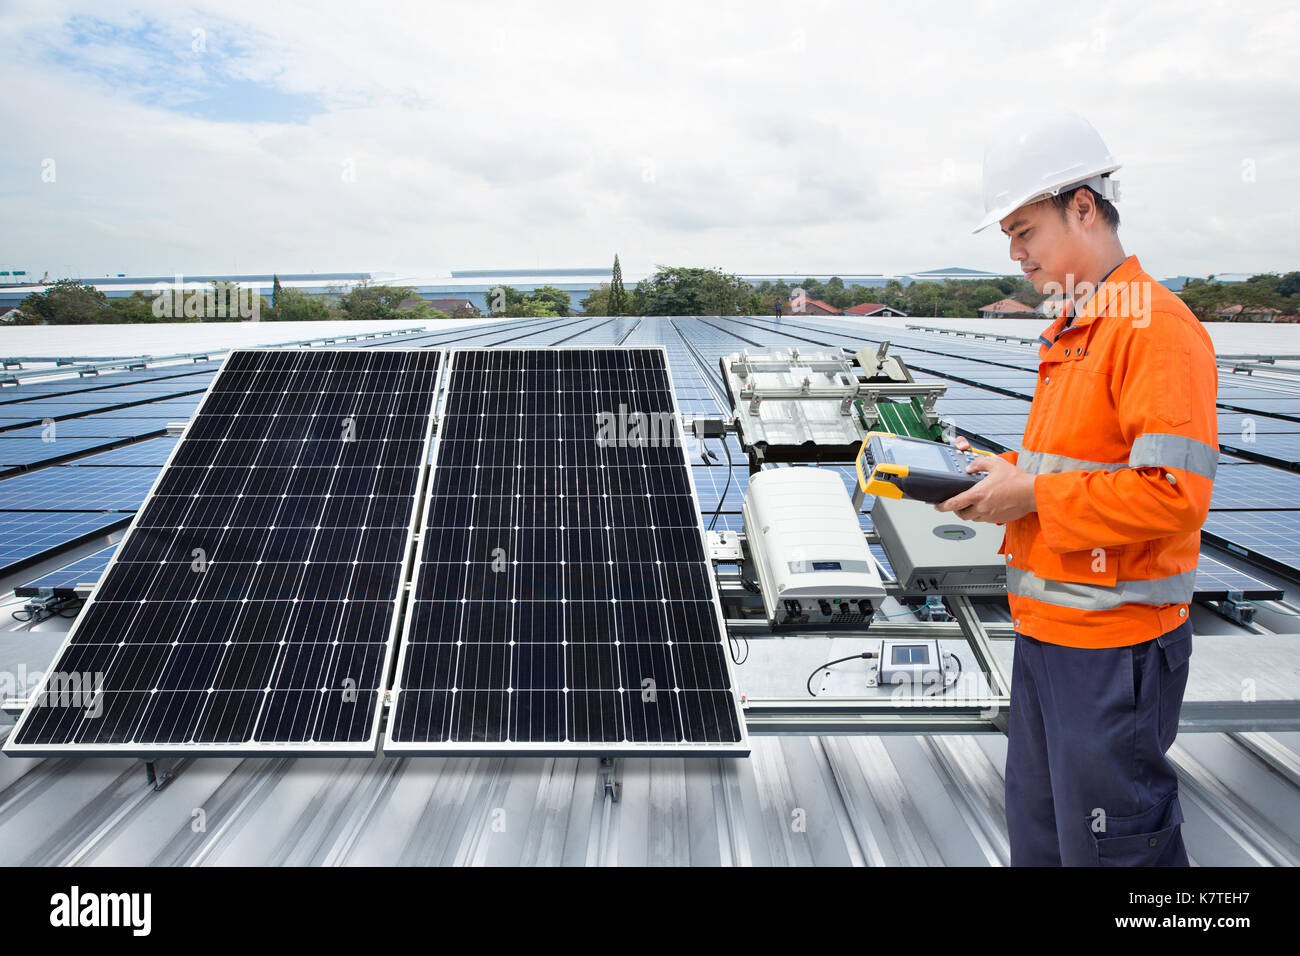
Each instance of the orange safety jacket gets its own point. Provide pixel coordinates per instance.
(1123, 440)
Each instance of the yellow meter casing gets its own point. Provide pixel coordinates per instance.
(898, 466)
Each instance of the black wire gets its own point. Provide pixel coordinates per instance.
(74, 608)
(727, 487)
(732, 641)
(865, 655)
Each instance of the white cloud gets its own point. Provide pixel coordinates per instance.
(756, 136)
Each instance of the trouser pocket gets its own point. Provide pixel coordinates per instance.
(1150, 838)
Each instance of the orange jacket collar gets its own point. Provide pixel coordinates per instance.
(1106, 293)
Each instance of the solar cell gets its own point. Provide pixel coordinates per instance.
(563, 600)
(252, 605)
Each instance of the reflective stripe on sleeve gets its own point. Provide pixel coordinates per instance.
(1174, 451)
(1042, 463)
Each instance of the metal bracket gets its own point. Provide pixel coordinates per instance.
(610, 784)
(1236, 608)
(157, 779)
(933, 609)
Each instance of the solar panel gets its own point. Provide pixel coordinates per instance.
(1214, 580)
(26, 536)
(81, 489)
(1268, 538)
(19, 453)
(1282, 449)
(1241, 424)
(252, 605)
(563, 601)
(66, 580)
(1250, 487)
(152, 451)
(93, 426)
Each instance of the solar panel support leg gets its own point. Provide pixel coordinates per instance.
(156, 779)
(611, 785)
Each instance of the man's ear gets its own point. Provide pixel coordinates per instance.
(1084, 207)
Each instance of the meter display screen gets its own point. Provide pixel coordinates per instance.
(910, 654)
(921, 455)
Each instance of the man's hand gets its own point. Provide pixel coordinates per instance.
(1004, 494)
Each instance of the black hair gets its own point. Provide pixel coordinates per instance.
(1105, 208)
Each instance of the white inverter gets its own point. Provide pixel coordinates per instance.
(813, 562)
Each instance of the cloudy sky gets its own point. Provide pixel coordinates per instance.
(758, 137)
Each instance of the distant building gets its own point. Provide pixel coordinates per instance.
(452, 306)
(1247, 313)
(956, 273)
(1009, 309)
(800, 305)
(876, 310)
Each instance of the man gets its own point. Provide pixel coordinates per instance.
(1103, 511)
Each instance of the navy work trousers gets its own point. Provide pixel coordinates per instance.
(1087, 780)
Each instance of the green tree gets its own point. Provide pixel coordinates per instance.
(67, 302)
(502, 298)
(275, 292)
(296, 305)
(597, 301)
(135, 308)
(835, 294)
(368, 302)
(557, 300)
(618, 301)
(680, 290)
(423, 309)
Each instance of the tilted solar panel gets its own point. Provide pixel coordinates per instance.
(563, 601)
(253, 603)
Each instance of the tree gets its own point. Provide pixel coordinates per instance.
(502, 298)
(618, 298)
(275, 292)
(557, 300)
(835, 294)
(814, 288)
(295, 305)
(366, 301)
(423, 309)
(680, 290)
(137, 307)
(597, 301)
(67, 302)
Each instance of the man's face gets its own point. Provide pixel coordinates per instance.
(1042, 242)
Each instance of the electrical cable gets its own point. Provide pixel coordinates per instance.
(865, 655)
(727, 487)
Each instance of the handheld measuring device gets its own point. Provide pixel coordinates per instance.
(897, 466)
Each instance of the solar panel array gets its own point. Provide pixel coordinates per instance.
(563, 600)
(253, 603)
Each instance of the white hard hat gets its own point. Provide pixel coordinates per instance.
(1036, 155)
